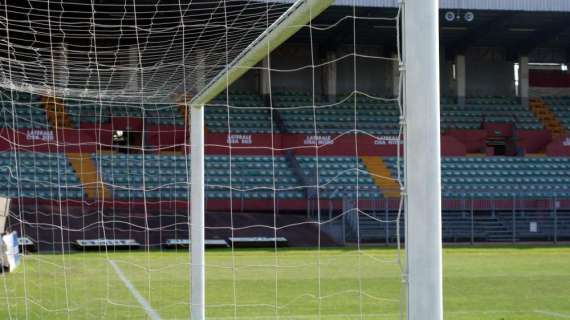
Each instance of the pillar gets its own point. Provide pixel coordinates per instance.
(330, 76)
(461, 79)
(264, 78)
(523, 80)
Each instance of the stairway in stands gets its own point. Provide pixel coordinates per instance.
(86, 171)
(494, 230)
(382, 176)
(541, 110)
(56, 114)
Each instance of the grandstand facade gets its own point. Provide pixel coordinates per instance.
(505, 121)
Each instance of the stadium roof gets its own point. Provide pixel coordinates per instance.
(510, 5)
(110, 50)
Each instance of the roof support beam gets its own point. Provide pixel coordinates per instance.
(544, 36)
(476, 34)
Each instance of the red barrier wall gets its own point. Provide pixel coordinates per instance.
(498, 129)
(343, 145)
(127, 123)
(166, 136)
(137, 207)
(452, 147)
(324, 145)
(62, 140)
(549, 78)
(473, 140)
(245, 144)
(532, 141)
(219, 143)
(559, 147)
(91, 137)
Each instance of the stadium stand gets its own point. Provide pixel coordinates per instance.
(41, 175)
(95, 112)
(494, 177)
(479, 110)
(247, 111)
(162, 180)
(252, 176)
(543, 112)
(164, 176)
(340, 177)
(23, 112)
(81, 111)
(378, 117)
(561, 108)
(456, 227)
(164, 115)
(547, 226)
(462, 227)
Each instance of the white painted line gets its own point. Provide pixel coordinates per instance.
(387, 315)
(553, 314)
(141, 300)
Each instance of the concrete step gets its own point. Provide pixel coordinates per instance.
(382, 176)
(87, 174)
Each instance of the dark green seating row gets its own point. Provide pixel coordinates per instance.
(38, 175)
(502, 176)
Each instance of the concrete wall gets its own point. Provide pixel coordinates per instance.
(295, 57)
(248, 82)
(489, 73)
(285, 61)
(447, 83)
(372, 75)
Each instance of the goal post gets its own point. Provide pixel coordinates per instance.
(422, 160)
(292, 20)
(80, 188)
(197, 197)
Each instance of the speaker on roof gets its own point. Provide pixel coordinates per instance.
(450, 16)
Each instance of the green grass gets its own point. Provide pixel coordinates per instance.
(479, 283)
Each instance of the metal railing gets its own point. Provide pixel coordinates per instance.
(465, 219)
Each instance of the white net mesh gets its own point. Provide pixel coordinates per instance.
(95, 151)
(123, 50)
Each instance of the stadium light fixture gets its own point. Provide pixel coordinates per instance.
(522, 29)
(454, 28)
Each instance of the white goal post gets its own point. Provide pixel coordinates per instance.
(422, 144)
(422, 159)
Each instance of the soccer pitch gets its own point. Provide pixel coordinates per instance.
(479, 283)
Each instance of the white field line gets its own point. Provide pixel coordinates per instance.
(553, 314)
(141, 300)
(390, 315)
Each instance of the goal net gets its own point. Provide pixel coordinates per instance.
(303, 130)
